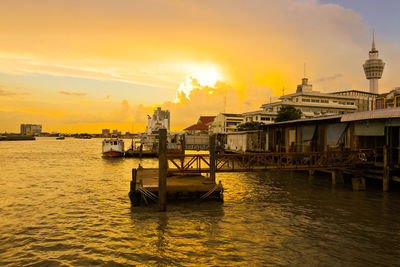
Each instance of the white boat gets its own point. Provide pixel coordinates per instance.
(113, 147)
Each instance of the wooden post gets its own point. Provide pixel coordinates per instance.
(385, 177)
(132, 193)
(183, 147)
(162, 170)
(358, 183)
(212, 158)
(337, 177)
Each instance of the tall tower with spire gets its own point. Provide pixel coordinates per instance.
(373, 68)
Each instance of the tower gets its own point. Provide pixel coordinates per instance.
(373, 68)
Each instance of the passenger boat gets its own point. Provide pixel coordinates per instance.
(113, 147)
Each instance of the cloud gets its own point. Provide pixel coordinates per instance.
(72, 93)
(329, 78)
(259, 46)
(7, 93)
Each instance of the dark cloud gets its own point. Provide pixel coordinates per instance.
(72, 93)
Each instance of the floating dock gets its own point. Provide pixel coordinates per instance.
(145, 187)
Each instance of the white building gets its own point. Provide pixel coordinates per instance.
(226, 123)
(373, 68)
(31, 129)
(259, 116)
(364, 100)
(313, 103)
(160, 120)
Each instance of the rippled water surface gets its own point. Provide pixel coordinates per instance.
(62, 204)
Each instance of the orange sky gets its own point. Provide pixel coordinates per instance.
(88, 65)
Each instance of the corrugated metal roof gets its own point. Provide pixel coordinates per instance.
(386, 113)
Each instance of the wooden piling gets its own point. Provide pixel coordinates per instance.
(162, 167)
(337, 177)
(358, 183)
(133, 186)
(212, 158)
(386, 170)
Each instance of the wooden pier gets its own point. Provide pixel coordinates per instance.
(145, 187)
(180, 176)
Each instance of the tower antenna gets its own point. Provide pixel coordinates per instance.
(373, 40)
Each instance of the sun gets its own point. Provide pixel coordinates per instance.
(207, 75)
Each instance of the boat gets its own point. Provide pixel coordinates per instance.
(113, 147)
(60, 138)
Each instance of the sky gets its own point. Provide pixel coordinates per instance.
(80, 66)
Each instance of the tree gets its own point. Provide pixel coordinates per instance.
(249, 126)
(288, 113)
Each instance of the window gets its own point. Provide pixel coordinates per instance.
(256, 118)
(342, 103)
(305, 100)
(115, 143)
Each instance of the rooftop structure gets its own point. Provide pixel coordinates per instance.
(202, 125)
(373, 68)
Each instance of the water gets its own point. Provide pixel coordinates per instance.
(62, 204)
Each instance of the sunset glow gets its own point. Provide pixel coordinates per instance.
(110, 62)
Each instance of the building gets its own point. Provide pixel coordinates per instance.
(388, 100)
(363, 100)
(31, 129)
(160, 120)
(201, 127)
(259, 116)
(116, 132)
(105, 132)
(312, 103)
(373, 68)
(226, 123)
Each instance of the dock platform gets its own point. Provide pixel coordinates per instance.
(144, 187)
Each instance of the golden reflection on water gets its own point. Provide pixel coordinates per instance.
(61, 203)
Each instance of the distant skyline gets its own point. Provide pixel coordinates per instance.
(107, 64)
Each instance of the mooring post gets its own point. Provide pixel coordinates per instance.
(183, 148)
(212, 157)
(385, 177)
(132, 195)
(337, 177)
(162, 170)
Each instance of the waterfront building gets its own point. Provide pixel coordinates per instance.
(259, 116)
(105, 132)
(363, 100)
(225, 123)
(373, 68)
(159, 120)
(201, 127)
(312, 103)
(388, 100)
(116, 132)
(31, 129)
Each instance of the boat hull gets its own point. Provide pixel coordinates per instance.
(111, 154)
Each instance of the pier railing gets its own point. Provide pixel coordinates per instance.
(253, 162)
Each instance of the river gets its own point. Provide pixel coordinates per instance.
(62, 204)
